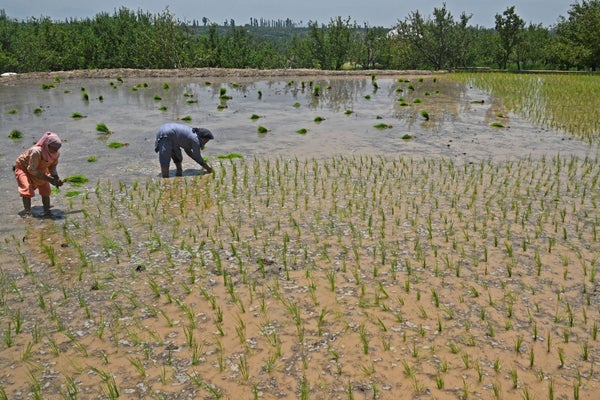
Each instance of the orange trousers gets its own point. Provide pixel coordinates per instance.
(27, 186)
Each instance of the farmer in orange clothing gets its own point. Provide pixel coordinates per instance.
(35, 169)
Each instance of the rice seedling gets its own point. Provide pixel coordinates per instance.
(102, 128)
(186, 118)
(12, 111)
(262, 129)
(382, 126)
(77, 115)
(318, 119)
(223, 94)
(111, 389)
(561, 357)
(76, 179)
(15, 134)
(302, 131)
(364, 338)
(117, 145)
(439, 381)
(230, 156)
(514, 377)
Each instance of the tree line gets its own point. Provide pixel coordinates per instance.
(138, 39)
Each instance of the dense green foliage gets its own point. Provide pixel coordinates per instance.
(128, 39)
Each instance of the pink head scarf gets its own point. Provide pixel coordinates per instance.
(48, 139)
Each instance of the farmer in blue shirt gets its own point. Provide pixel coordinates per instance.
(173, 137)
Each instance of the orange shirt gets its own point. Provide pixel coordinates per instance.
(35, 166)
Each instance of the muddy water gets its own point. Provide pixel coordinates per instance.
(458, 126)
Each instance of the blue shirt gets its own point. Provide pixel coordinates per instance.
(181, 136)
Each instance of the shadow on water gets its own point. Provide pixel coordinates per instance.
(352, 111)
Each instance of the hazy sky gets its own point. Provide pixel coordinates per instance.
(374, 12)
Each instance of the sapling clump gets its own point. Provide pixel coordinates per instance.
(230, 156)
(117, 145)
(102, 128)
(15, 134)
(76, 179)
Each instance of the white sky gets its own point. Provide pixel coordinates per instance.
(384, 13)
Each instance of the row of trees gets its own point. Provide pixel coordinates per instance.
(128, 39)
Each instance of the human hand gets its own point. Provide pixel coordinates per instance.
(56, 181)
(207, 167)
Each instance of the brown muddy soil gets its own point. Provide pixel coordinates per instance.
(206, 72)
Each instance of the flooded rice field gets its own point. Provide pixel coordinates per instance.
(360, 115)
(385, 237)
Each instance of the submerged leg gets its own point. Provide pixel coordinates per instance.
(27, 205)
(46, 204)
